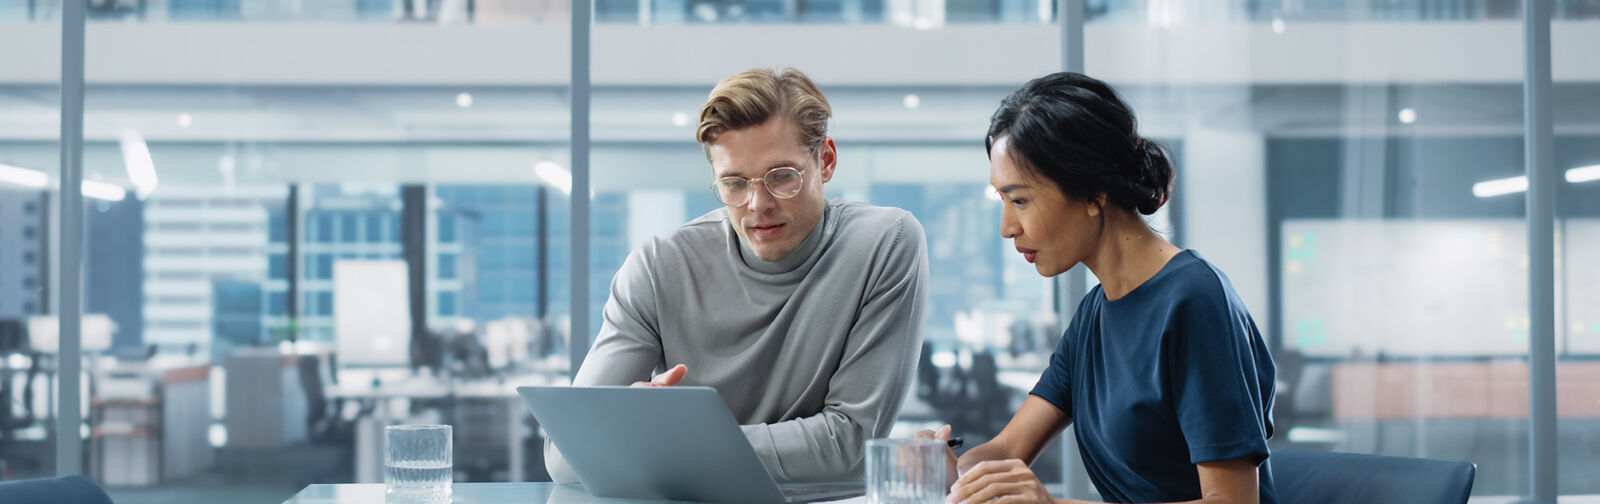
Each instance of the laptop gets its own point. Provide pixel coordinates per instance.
(662, 443)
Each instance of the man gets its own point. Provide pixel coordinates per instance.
(804, 314)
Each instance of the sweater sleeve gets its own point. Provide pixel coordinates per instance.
(873, 377)
(628, 348)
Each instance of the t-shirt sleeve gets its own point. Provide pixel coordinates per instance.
(1054, 384)
(1211, 358)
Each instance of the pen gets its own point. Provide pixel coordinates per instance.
(953, 443)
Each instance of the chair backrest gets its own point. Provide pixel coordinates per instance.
(1308, 477)
(63, 490)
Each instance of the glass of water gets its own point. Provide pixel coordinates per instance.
(417, 463)
(905, 471)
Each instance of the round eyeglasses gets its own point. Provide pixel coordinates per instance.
(782, 183)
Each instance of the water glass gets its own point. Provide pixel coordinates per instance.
(417, 463)
(905, 471)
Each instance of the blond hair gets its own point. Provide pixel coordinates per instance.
(754, 96)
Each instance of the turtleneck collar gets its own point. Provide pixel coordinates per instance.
(798, 257)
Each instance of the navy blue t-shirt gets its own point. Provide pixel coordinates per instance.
(1171, 375)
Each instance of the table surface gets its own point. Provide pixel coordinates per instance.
(474, 493)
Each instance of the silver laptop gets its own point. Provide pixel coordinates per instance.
(662, 443)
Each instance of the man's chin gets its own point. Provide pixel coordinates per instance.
(772, 253)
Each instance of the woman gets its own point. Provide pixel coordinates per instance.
(1162, 368)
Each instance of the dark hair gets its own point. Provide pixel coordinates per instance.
(1074, 130)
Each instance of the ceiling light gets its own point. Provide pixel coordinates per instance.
(911, 101)
(464, 100)
(1584, 174)
(103, 191)
(141, 169)
(1500, 187)
(554, 175)
(23, 176)
(1408, 116)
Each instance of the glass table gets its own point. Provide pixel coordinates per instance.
(474, 493)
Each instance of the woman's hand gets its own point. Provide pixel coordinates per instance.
(943, 434)
(1002, 482)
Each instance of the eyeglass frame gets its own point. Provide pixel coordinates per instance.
(800, 172)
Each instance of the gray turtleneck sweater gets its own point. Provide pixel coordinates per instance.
(813, 353)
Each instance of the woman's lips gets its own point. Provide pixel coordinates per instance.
(1028, 254)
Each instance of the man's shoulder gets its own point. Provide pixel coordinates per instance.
(882, 226)
(705, 233)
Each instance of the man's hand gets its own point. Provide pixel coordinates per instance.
(943, 434)
(1008, 481)
(666, 379)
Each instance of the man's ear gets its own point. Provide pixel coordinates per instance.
(830, 158)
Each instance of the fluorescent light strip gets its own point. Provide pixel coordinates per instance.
(554, 175)
(1584, 174)
(1500, 187)
(136, 158)
(23, 176)
(1513, 185)
(103, 191)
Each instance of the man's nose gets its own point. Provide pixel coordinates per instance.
(760, 198)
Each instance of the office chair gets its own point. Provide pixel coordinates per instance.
(1309, 477)
(63, 490)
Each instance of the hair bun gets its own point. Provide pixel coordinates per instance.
(1152, 184)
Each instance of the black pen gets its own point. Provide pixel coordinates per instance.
(953, 443)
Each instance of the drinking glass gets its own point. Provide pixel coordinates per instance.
(905, 471)
(417, 463)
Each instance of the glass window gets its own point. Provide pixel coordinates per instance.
(324, 263)
(349, 228)
(447, 228)
(324, 303)
(375, 228)
(276, 304)
(447, 304)
(324, 228)
(447, 266)
(277, 226)
(1577, 301)
(277, 266)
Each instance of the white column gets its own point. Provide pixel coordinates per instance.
(1224, 198)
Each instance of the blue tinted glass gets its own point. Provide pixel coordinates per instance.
(325, 303)
(324, 229)
(447, 228)
(277, 304)
(375, 228)
(349, 228)
(277, 226)
(277, 267)
(447, 266)
(447, 304)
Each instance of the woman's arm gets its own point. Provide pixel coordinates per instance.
(1011, 482)
(1036, 423)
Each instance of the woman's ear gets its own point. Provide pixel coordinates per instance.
(1096, 205)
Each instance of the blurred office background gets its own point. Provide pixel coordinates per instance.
(307, 219)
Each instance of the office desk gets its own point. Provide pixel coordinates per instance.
(475, 493)
(369, 444)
